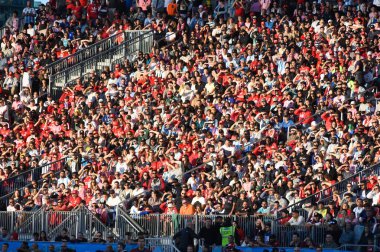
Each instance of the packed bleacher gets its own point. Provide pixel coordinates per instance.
(243, 108)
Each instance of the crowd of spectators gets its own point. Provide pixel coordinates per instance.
(32, 41)
(274, 101)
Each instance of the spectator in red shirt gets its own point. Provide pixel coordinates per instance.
(74, 200)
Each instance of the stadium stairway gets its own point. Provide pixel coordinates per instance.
(124, 223)
(24, 179)
(325, 195)
(106, 53)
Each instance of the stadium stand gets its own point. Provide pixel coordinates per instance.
(241, 123)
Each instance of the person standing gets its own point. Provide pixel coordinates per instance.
(208, 234)
(185, 237)
(226, 231)
(13, 23)
(28, 13)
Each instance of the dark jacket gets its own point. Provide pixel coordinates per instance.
(185, 238)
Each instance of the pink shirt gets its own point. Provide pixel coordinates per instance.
(144, 4)
(265, 4)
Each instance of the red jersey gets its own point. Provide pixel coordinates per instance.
(74, 202)
(92, 11)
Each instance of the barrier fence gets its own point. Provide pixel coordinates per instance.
(83, 220)
(168, 224)
(360, 248)
(161, 244)
(124, 224)
(53, 222)
(285, 233)
(155, 225)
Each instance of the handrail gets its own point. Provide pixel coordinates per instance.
(4, 198)
(90, 59)
(29, 220)
(333, 186)
(116, 61)
(138, 42)
(349, 247)
(89, 51)
(93, 219)
(151, 243)
(201, 165)
(13, 183)
(130, 221)
(27, 171)
(70, 218)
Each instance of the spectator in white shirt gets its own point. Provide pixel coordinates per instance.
(11, 207)
(198, 198)
(374, 195)
(359, 207)
(63, 179)
(121, 166)
(296, 219)
(113, 200)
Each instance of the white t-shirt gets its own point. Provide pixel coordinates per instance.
(26, 80)
(113, 201)
(198, 199)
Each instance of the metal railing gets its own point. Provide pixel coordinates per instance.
(159, 225)
(56, 167)
(92, 224)
(201, 166)
(28, 223)
(53, 222)
(22, 222)
(132, 44)
(165, 244)
(317, 234)
(59, 220)
(124, 223)
(3, 30)
(355, 247)
(20, 180)
(284, 233)
(90, 51)
(326, 194)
